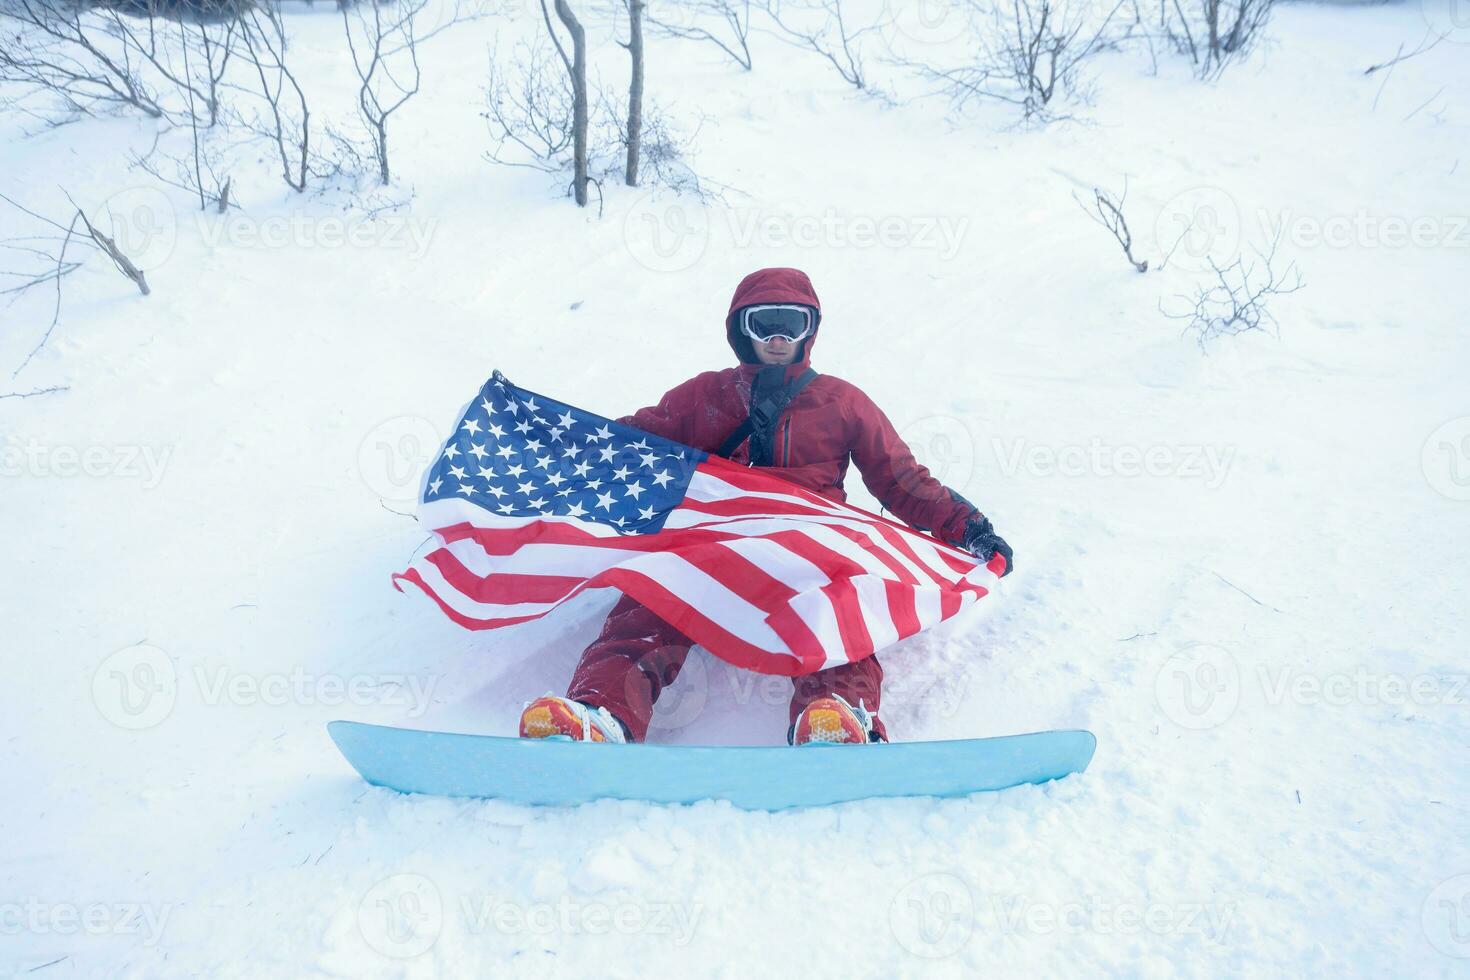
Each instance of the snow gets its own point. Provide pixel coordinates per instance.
(1244, 569)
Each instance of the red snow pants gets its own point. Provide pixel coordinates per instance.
(637, 655)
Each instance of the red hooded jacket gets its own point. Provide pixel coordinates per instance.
(827, 425)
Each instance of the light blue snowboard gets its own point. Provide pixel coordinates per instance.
(768, 777)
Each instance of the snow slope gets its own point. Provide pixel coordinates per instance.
(1245, 569)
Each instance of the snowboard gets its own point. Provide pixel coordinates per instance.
(767, 777)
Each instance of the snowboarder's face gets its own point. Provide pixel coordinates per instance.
(777, 350)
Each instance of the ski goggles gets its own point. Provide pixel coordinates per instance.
(765, 323)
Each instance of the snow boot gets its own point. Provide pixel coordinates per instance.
(833, 721)
(565, 720)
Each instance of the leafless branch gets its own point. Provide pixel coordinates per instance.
(1237, 301)
(684, 22)
(833, 39)
(1108, 213)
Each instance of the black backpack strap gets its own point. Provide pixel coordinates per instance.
(768, 399)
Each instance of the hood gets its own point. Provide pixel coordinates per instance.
(772, 286)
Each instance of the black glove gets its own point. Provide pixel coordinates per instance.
(982, 542)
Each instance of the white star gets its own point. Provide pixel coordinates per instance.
(543, 461)
(621, 473)
(605, 501)
(538, 502)
(515, 470)
(534, 445)
(507, 508)
(634, 489)
(661, 479)
(457, 472)
(564, 491)
(607, 453)
(525, 488)
(505, 452)
(495, 490)
(489, 408)
(496, 431)
(435, 484)
(466, 489)
(640, 444)
(451, 450)
(593, 484)
(479, 452)
(581, 469)
(471, 426)
(556, 479)
(523, 426)
(556, 434)
(620, 520)
(565, 420)
(603, 432)
(530, 404)
(512, 407)
(576, 510)
(648, 459)
(570, 452)
(486, 473)
(645, 513)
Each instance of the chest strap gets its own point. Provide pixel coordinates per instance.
(769, 397)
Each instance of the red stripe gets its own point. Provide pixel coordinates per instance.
(857, 642)
(502, 588)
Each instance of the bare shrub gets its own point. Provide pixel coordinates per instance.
(384, 51)
(285, 120)
(1214, 33)
(528, 105)
(1026, 53)
(59, 48)
(1238, 299)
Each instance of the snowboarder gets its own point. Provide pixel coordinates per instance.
(772, 410)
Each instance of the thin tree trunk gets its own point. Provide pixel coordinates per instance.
(579, 98)
(635, 90)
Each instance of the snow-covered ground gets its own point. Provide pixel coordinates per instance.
(1244, 569)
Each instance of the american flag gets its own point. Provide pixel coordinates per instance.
(534, 501)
